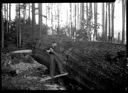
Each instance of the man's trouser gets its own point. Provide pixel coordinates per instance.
(55, 58)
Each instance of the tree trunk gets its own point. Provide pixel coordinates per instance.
(123, 22)
(46, 13)
(75, 16)
(90, 18)
(40, 19)
(2, 25)
(78, 15)
(112, 20)
(33, 19)
(24, 12)
(19, 27)
(103, 21)
(87, 14)
(9, 17)
(109, 37)
(119, 37)
(52, 19)
(29, 11)
(95, 20)
(71, 19)
(58, 19)
(82, 15)
(106, 24)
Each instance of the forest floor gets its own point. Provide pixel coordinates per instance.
(95, 56)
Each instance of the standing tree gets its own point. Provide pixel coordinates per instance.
(33, 18)
(40, 18)
(103, 21)
(70, 19)
(17, 26)
(118, 37)
(9, 17)
(29, 12)
(112, 18)
(24, 11)
(2, 25)
(52, 18)
(87, 15)
(109, 29)
(95, 20)
(19, 23)
(46, 12)
(75, 16)
(89, 20)
(82, 16)
(123, 21)
(58, 18)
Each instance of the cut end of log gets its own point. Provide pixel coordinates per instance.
(22, 51)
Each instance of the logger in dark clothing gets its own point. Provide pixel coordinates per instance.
(55, 57)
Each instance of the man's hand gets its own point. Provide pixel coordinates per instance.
(51, 50)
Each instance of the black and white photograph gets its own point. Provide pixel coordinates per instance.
(64, 46)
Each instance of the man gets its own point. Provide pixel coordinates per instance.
(55, 57)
